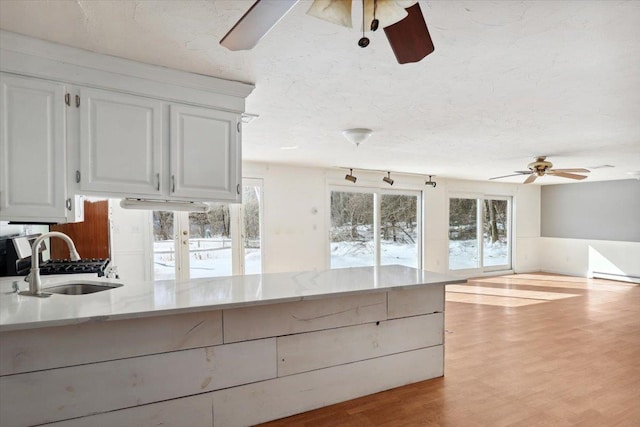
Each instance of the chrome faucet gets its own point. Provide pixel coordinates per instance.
(34, 275)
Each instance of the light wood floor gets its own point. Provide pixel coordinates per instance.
(573, 361)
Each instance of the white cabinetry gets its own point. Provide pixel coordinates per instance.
(33, 172)
(120, 143)
(128, 130)
(129, 149)
(205, 153)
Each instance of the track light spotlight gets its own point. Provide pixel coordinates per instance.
(350, 177)
(430, 182)
(388, 179)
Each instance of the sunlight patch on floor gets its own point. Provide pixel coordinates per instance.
(491, 300)
(508, 292)
(557, 282)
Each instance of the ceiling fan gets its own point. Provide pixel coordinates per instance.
(402, 21)
(541, 168)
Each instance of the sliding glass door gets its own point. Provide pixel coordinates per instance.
(479, 233)
(371, 227)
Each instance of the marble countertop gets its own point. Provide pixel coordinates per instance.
(142, 299)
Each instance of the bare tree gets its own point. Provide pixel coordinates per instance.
(163, 225)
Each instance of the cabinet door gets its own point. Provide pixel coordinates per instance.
(205, 154)
(32, 150)
(120, 143)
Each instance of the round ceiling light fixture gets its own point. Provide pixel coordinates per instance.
(357, 135)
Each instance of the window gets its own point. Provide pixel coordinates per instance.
(374, 227)
(479, 233)
(221, 242)
(251, 202)
(399, 230)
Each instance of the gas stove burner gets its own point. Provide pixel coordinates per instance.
(66, 266)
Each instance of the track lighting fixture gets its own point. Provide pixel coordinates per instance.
(430, 182)
(388, 179)
(350, 177)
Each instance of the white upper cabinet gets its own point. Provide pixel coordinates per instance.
(120, 143)
(205, 153)
(80, 123)
(33, 174)
(129, 149)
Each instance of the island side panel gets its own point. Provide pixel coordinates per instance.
(262, 321)
(321, 349)
(369, 337)
(82, 390)
(101, 340)
(192, 411)
(415, 301)
(285, 396)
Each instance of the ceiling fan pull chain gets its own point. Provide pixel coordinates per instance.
(364, 41)
(375, 22)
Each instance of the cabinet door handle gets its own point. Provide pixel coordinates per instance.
(157, 182)
(78, 176)
(69, 204)
(173, 183)
(238, 189)
(78, 101)
(67, 99)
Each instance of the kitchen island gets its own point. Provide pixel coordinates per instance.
(225, 351)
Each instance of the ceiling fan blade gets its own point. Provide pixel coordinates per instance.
(256, 23)
(518, 173)
(571, 170)
(565, 174)
(335, 11)
(530, 179)
(409, 38)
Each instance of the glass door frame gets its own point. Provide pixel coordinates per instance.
(377, 217)
(480, 198)
(181, 235)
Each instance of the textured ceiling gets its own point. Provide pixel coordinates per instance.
(509, 80)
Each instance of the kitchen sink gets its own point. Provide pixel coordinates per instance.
(81, 288)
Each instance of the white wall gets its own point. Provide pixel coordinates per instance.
(294, 214)
(581, 257)
(295, 235)
(296, 226)
(526, 220)
(295, 238)
(131, 247)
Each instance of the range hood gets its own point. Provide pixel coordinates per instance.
(164, 205)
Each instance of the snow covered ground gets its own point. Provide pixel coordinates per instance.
(207, 258)
(361, 254)
(464, 254)
(213, 258)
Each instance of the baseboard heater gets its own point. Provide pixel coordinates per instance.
(618, 277)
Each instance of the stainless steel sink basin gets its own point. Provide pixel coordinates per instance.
(81, 288)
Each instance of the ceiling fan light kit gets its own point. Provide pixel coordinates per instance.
(402, 20)
(542, 167)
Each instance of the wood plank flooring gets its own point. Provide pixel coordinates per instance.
(560, 362)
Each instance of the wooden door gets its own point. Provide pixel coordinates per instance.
(91, 237)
